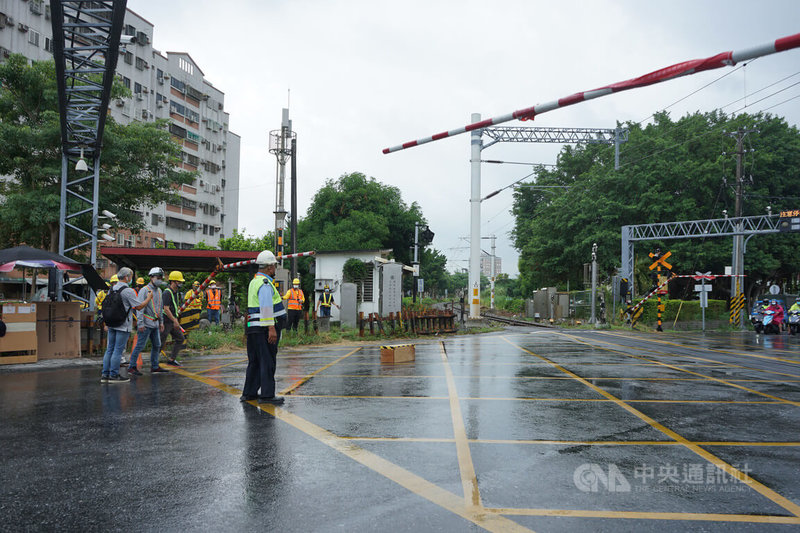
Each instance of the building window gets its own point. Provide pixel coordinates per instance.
(140, 64)
(126, 82)
(177, 131)
(128, 57)
(154, 220)
(36, 7)
(185, 66)
(205, 229)
(137, 88)
(177, 85)
(33, 37)
(130, 30)
(48, 44)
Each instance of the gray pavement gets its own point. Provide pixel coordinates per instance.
(522, 430)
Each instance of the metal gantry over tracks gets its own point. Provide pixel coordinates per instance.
(86, 39)
(692, 229)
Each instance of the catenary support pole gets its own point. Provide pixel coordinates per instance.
(294, 207)
(476, 144)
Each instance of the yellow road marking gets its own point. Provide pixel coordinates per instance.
(714, 517)
(288, 390)
(476, 376)
(697, 358)
(728, 352)
(240, 361)
(523, 399)
(412, 482)
(713, 459)
(675, 367)
(576, 442)
(469, 481)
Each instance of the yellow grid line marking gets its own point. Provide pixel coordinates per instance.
(238, 362)
(612, 378)
(713, 517)
(288, 390)
(575, 442)
(716, 461)
(710, 378)
(698, 358)
(469, 481)
(406, 479)
(727, 352)
(524, 399)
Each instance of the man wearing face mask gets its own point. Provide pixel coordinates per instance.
(295, 299)
(150, 322)
(172, 325)
(325, 302)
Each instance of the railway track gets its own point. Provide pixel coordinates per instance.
(512, 321)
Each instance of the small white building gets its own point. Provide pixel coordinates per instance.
(329, 268)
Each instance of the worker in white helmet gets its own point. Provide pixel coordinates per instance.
(265, 319)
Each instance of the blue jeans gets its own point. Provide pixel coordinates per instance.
(155, 342)
(213, 316)
(116, 344)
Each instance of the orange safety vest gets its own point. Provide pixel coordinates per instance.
(214, 298)
(295, 298)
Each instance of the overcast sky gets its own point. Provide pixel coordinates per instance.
(368, 74)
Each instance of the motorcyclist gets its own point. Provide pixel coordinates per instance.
(778, 310)
(795, 308)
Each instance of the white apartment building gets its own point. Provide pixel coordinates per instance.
(165, 85)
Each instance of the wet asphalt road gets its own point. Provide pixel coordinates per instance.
(524, 430)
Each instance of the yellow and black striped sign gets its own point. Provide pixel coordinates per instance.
(737, 304)
(637, 315)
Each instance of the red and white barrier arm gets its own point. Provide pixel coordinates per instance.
(724, 59)
(651, 293)
(229, 266)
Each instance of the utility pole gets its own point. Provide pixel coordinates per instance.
(594, 283)
(280, 144)
(491, 302)
(474, 290)
(293, 207)
(738, 239)
(415, 264)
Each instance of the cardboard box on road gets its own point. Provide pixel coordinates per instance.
(58, 329)
(399, 353)
(20, 320)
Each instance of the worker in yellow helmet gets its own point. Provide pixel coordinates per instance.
(294, 299)
(139, 284)
(190, 318)
(172, 325)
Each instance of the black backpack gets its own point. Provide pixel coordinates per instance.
(114, 312)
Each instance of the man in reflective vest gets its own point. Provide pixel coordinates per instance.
(190, 318)
(214, 302)
(294, 299)
(265, 319)
(325, 302)
(149, 323)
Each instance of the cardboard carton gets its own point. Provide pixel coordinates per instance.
(399, 353)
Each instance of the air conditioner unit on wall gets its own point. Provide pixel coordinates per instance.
(161, 218)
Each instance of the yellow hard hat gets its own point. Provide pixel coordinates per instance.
(114, 278)
(140, 281)
(176, 275)
(295, 281)
(196, 284)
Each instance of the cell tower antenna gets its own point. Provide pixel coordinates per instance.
(280, 144)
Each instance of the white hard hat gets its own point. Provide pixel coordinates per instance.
(156, 271)
(266, 258)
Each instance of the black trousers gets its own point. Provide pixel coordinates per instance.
(294, 318)
(261, 362)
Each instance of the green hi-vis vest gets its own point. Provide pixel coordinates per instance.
(326, 300)
(254, 318)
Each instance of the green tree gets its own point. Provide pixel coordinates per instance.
(356, 212)
(138, 161)
(671, 171)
